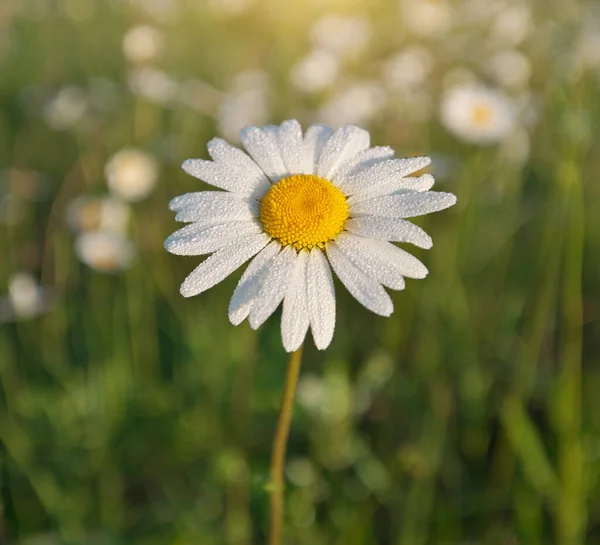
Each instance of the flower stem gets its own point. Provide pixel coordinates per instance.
(277, 486)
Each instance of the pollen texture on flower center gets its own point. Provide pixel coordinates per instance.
(304, 211)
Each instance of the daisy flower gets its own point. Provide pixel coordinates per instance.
(26, 299)
(104, 251)
(302, 206)
(143, 43)
(131, 174)
(478, 114)
(90, 213)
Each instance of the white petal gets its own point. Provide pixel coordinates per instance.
(292, 147)
(366, 257)
(315, 138)
(211, 207)
(247, 289)
(345, 143)
(232, 170)
(294, 318)
(381, 260)
(198, 239)
(222, 263)
(360, 161)
(321, 298)
(394, 187)
(406, 205)
(240, 166)
(392, 229)
(274, 286)
(262, 145)
(383, 173)
(367, 291)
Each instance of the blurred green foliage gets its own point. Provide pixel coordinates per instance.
(131, 415)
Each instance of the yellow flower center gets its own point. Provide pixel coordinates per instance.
(482, 115)
(304, 211)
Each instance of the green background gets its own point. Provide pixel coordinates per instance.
(129, 414)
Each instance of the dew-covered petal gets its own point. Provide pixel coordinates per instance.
(274, 286)
(291, 143)
(321, 298)
(211, 207)
(383, 173)
(315, 138)
(240, 165)
(365, 256)
(392, 229)
(247, 289)
(231, 170)
(222, 263)
(381, 260)
(361, 161)
(198, 239)
(343, 145)
(294, 318)
(407, 205)
(263, 146)
(366, 290)
(394, 187)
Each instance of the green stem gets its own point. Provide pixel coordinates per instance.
(279, 447)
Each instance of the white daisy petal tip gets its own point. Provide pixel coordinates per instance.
(190, 166)
(424, 160)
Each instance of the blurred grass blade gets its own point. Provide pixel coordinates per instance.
(529, 448)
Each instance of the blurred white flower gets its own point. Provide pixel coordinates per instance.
(357, 104)
(153, 84)
(340, 34)
(67, 109)
(143, 43)
(24, 293)
(477, 114)
(89, 213)
(26, 298)
(246, 104)
(510, 68)
(408, 68)
(316, 71)
(427, 18)
(511, 25)
(131, 174)
(104, 251)
(229, 7)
